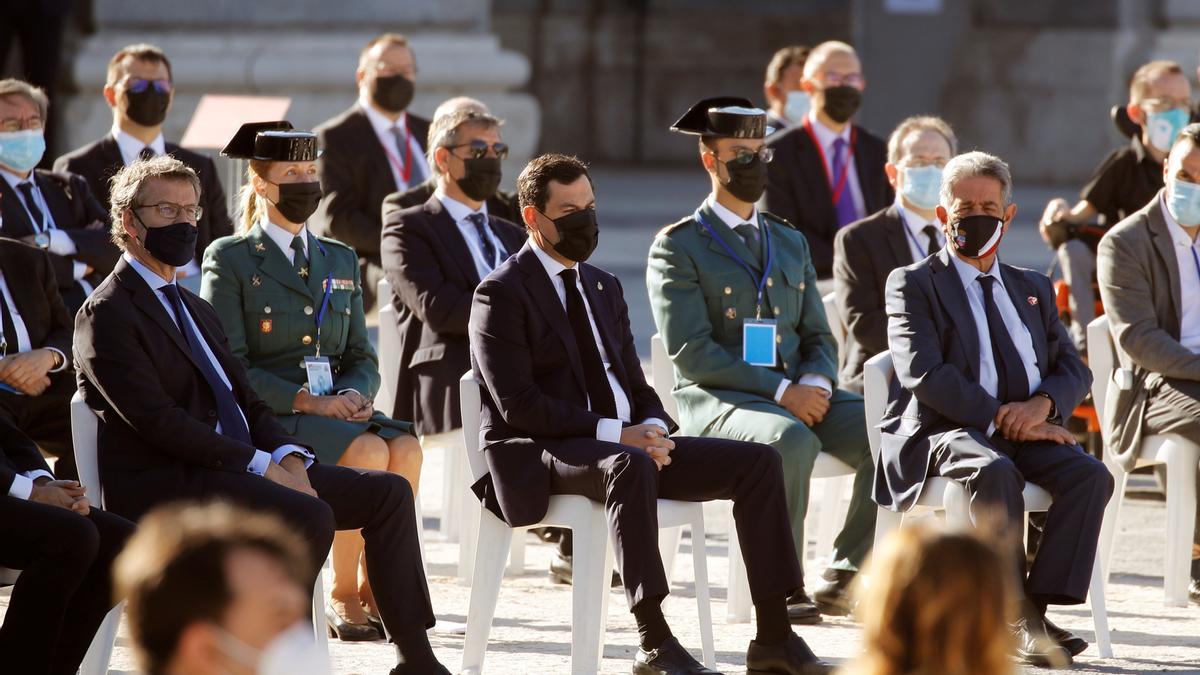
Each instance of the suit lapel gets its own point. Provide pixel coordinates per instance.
(1023, 298)
(718, 230)
(273, 263)
(447, 232)
(318, 268)
(147, 301)
(16, 223)
(371, 145)
(954, 300)
(57, 200)
(596, 292)
(546, 298)
(1165, 247)
(897, 238)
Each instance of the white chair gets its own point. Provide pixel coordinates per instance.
(827, 466)
(829, 300)
(592, 559)
(389, 349)
(1179, 455)
(942, 494)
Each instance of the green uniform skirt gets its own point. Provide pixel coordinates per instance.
(329, 437)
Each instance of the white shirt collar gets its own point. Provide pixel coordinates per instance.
(283, 238)
(915, 222)
(379, 121)
(14, 180)
(1178, 234)
(553, 267)
(731, 219)
(825, 135)
(155, 282)
(457, 210)
(130, 147)
(970, 274)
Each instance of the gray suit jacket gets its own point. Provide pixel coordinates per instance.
(1139, 283)
(935, 349)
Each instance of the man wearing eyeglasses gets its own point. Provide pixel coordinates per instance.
(371, 150)
(1128, 179)
(828, 171)
(734, 296)
(139, 89)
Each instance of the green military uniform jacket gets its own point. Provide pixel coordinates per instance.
(699, 296)
(268, 312)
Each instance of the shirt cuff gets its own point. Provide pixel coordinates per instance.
(37, 473)
(62, 244)
(285, 450)
(820, 381)
(260, 462)
(21, 488)
(609, 430)
(783, 385)
(658, 423)
(78, 270)
(62, 366)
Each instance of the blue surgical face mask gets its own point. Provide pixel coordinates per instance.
(22, 150)
(797, 106)
(1164, 127)
(1183, 201)
(922, 184)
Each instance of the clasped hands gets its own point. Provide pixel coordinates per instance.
(349, 405)
(28, 372)
(67, 494)
(651, 439)
(1026, 421)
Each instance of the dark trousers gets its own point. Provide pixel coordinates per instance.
(379, 503)
(1174, 407)
(629, 484)
(994, 471)
(65, 587)
(46, 420)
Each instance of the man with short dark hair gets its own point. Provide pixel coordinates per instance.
(787, 102)
(215, 588)
(370, 151)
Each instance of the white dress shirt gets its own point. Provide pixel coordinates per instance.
(1189, 281)
(732, 220)
(60, 242)
(24, 343)
(606, 429)
(261, 459)
(1012, 323)
(283, 239)
(396, 155)
(22, 485)
(826, 137)
(458, 212)
(918, 241)
(131, 148)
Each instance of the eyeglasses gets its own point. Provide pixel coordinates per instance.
(920, 163)
(1156, 105)
(21, 124)
(839, 80)
(383, 69)
(170, 211)
(479, 149)
(138, 85)
(743, 157)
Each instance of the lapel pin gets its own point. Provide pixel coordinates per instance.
(260, 247)
(1032, 301)
(599, 286)
(265, 326)
(731, 313)
(256, 280)
(304, 272)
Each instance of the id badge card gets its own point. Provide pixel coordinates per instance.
(758, 342)
(320, 375)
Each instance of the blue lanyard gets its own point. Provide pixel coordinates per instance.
(762, 282)
(324, 300)
(911, 236)
(1196, 259)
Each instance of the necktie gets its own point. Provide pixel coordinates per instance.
(39, 219)
(1012, 385)
(485, 243)
(749, 234)
(10, 329)
(299, 259)
(232, 424)
(844, 206)
(415, 175)
(147, 153)
(600, 395)
(932, 232)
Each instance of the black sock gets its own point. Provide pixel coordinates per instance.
(773, 625)
(651, 624)
(412, 647)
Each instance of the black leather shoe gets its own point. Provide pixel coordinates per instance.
(833, 595)
(669, 659)
(345, 631)
(562, 571)
(1074, 644)
(434, 668)
(1194, 590)
(801, 609)
(790, 657)
(1037, 649)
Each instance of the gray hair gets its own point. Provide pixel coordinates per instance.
(446, 130)
(14, 87)
(129, 184)
(971, 164)
(914, 125)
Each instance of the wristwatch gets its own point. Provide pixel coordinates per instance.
(42, 240)
(1053, 408)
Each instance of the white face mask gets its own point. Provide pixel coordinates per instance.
(797, 106)
(292, 652)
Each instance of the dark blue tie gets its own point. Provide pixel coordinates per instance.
(485, 243)
(1012, 385)
(228, 414)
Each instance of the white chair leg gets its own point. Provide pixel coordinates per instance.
(589, 560)
(320, 629)
(668, 548)
(703, 602)
(886, 520)
(1100, 610)
(95, 661)
(1182, 460)
(831, 509)
(1112, 513)
(738, 591)
(452, 480)
(492, 543)
(466, 541)
(516, 555)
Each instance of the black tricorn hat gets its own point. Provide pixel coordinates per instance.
(272, 142)
(723, 117)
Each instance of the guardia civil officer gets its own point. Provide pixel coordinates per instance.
(291, 305)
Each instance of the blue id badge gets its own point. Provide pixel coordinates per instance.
(758, 342)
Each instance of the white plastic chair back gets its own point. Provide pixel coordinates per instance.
(84, 427)
(389, 349)
(663, 375)
(1101, 359)
(835, 320)
(877, 379)
(468, 392)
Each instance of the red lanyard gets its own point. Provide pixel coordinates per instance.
(840, 186)
(403, 168)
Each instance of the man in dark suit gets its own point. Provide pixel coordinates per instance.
(566, 410)
(783, 87)
(53, 211)
(371, 150)
(64, 549)
(828, 172)
(35, 332)
(139, 89)
(180, 420)
(987, 375)
(865, 252)
(434, 255)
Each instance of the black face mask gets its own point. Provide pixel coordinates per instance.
(746, 181)
(578, 234)
(977, 236)
(298, 201)
(173, 244)
(841, 103)
(148, 108)
(481, 179)
(392, 93)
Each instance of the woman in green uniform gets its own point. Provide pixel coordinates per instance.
(291, 305)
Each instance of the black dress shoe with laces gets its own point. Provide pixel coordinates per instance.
(434, 668)
(669, 659)
(790, 657)
(1074, 644)
(801, 609)
(1037, 648)
(833, 595)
